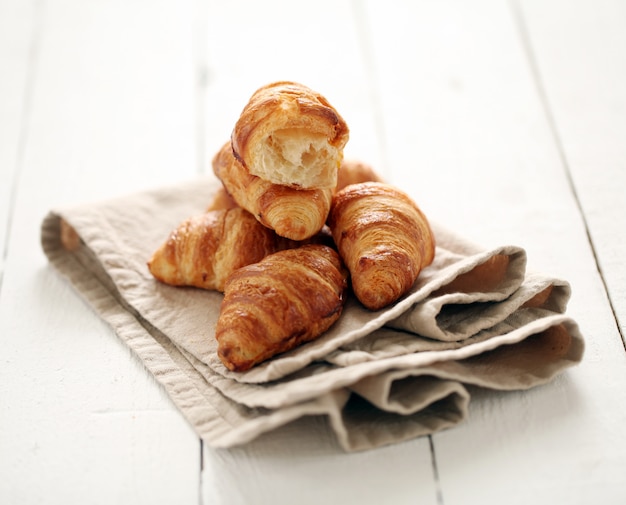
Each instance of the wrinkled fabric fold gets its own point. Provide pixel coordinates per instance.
(474, 317)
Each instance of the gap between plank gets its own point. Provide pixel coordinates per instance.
(31, 70)
(545, 103)
(433, 459)
(200, 479)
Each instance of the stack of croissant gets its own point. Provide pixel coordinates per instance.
(292, 229)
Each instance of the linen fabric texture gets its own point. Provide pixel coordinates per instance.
(475, 318)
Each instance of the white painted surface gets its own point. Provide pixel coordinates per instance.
(578, 47)
(505, 120)
(110, 111)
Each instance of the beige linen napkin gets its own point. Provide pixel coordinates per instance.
(473, 317)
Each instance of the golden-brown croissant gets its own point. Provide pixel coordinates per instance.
(289, 134)
(354, 172)
(297, 214)
(383, 238)
(284, 300)
(205, 249)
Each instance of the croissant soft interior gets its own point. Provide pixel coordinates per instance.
(297, 214)
(289, 134)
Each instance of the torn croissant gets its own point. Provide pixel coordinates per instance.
(286, 299)
(297, 214)
(289, 134)
(383, 238)
(205, 249)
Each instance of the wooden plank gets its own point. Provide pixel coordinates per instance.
(250, 44)
(111, 112)
(116, 88)
(447, 92)
(468, 135)
(302, 462)
(579, 49)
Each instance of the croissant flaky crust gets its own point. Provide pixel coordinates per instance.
(383, 238)
(288, 298)
(205, 249)
(297, 214)
(289, 134)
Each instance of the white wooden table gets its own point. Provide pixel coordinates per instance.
(505, 120)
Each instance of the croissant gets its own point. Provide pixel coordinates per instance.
(205, 249)
(286, 299)
(297, 214)
(289, 134)
(354, 172)
(383, 238)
